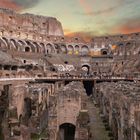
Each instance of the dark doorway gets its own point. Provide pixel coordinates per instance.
(88, 85)
(27, 49)
(104, 52)
(67, 131)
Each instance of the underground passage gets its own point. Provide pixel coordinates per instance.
(67, 131)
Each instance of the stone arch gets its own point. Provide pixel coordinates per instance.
(121, 49)
(21, 45)
(3, 45)
(84, 49)
(86, 68)
(104, 52)
(42, 47)
(36, 46)
(128, 47)
(50, 48)
(13, 44)
(6, 41)
(63, 49)
(67, 131)
(136, 51)
(70, 49)
(27, 49)
(31, 46)
(77, 49)
(57, 48)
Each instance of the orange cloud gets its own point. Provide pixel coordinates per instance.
(9, 4)
(129, 26)
(87, 36)
(87, 8)
(67, 31)
(127, 30)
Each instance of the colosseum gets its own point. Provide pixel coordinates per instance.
(54, 87)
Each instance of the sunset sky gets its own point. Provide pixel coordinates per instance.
(85, 17)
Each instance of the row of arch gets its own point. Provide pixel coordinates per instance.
(49, 48)
(127, 48)
(29, 46)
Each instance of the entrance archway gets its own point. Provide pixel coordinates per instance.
(27, 49)
(67, 131)
(104, 52)
(86, 68)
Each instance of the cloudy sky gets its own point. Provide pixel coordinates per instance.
(85, 17)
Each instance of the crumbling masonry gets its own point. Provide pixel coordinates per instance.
(45, 78)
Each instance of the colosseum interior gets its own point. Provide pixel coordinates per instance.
(54, 87)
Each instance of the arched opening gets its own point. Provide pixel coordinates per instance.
(36, 46)
(88, 85)
(42, 47)
(66, 62)
(57, 48)
(63, 49)
(86, 69)
(104, 52)
(27, 49)
(6, 41)
(49, 49)
(29, 43)
(85, 50)
(13, 44)
(14, 68)
(70, 49)
(3, 44)
(67, 131)
(7, 67)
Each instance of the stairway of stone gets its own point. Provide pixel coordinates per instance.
(97, 127)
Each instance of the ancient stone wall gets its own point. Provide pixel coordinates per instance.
(27, 25)
(119, 105)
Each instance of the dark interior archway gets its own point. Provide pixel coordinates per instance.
(104, 52)
(67, 131)
(27, 49)
(88, 85)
